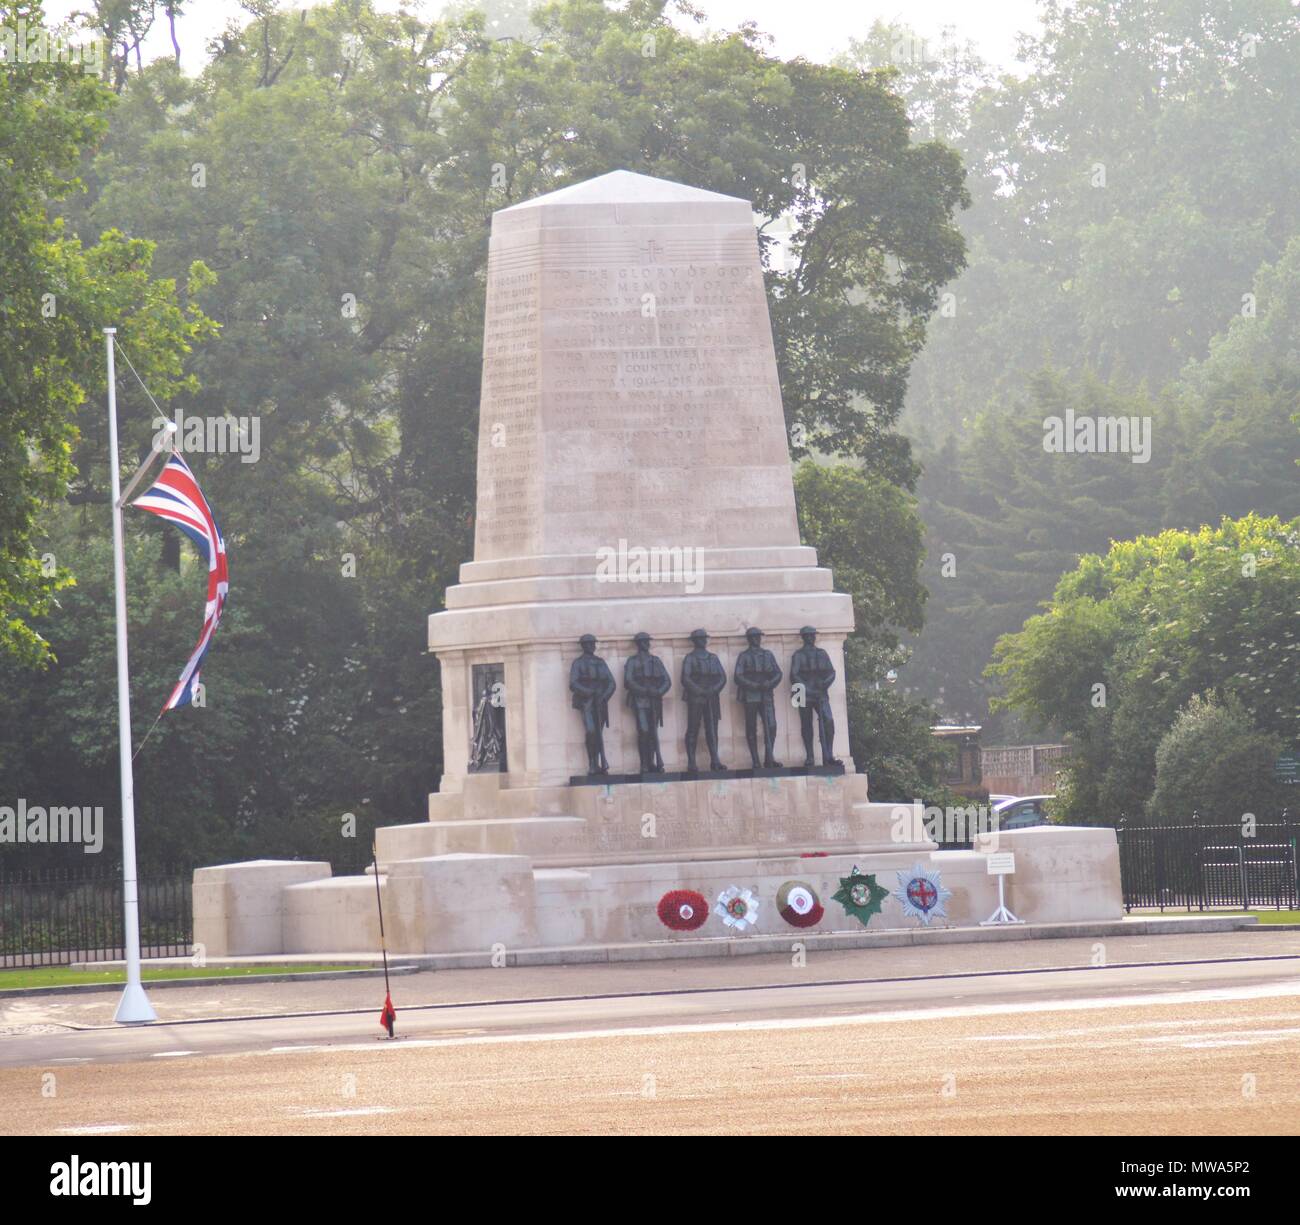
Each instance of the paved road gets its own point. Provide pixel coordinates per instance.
(1169, 1049)
(251, 997)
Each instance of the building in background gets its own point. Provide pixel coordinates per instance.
(965, 773)
(1022, 769)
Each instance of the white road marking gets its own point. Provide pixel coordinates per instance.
(344, 1114)
(834, 1076)
(1211, 1044)
(101, 1129)
(171, 1054)
(1165, 998)
(1228, 1037)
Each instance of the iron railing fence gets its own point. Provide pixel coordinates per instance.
(1205, 866)
(56, 916)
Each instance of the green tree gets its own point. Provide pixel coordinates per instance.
(55, 297)
(338, 168)
(1005, 518)
(940, 80)
(1130, 638)
(867, 532)
(1214, 762)
(1125, 189)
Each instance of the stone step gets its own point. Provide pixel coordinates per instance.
(537, 837)
(590, 587)
(338, 913)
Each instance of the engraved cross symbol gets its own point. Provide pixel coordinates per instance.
(651, 250)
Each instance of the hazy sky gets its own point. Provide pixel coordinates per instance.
(815, 29)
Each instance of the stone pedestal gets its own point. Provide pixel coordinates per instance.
(495, 900)
(239, 908)
(735, 819)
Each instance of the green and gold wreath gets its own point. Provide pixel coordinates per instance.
(860, 895)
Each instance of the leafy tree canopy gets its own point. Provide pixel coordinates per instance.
(1130, 638)
(55, 297)
(1214, 763)
(337, 169)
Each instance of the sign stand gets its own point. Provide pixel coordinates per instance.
(1001, 865)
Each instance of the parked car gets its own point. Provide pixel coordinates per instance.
(1022, 813)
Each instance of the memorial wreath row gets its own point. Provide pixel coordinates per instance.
(920, 894)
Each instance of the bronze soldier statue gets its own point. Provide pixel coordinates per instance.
(645, 681)
(757, 676)
(703, 679)
(592, 685)
(811, 667)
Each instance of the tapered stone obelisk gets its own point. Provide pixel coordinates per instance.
(630, 402)
(629, 381)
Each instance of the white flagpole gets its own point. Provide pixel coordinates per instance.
(134, 1005)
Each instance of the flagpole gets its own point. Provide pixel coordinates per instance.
(388, 1018)
(134, 1006)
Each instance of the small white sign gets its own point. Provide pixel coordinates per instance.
(1001, 864)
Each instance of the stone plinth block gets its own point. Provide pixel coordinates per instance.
(462, 903)
(619, 903)
(1063, 873)
(239, 907)
(340, 915)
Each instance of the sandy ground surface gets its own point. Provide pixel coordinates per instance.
(1182, 1065)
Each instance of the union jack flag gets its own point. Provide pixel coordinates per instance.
(176, 497)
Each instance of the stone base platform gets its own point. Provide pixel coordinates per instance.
(468, 902)
(741, 815)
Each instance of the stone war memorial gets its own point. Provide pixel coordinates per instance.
(645, 736)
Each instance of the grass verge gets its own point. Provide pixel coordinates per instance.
(63, 976)
(1264, 916)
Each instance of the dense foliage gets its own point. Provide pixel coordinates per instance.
(1131, 638)
(1133, 248)
(1213, 763)
(55, 297)
(337, 170)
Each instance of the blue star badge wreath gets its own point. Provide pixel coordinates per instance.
(921, 894)
(860, 895)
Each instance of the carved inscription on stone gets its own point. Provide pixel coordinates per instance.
(509, 474)
(629, 391)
